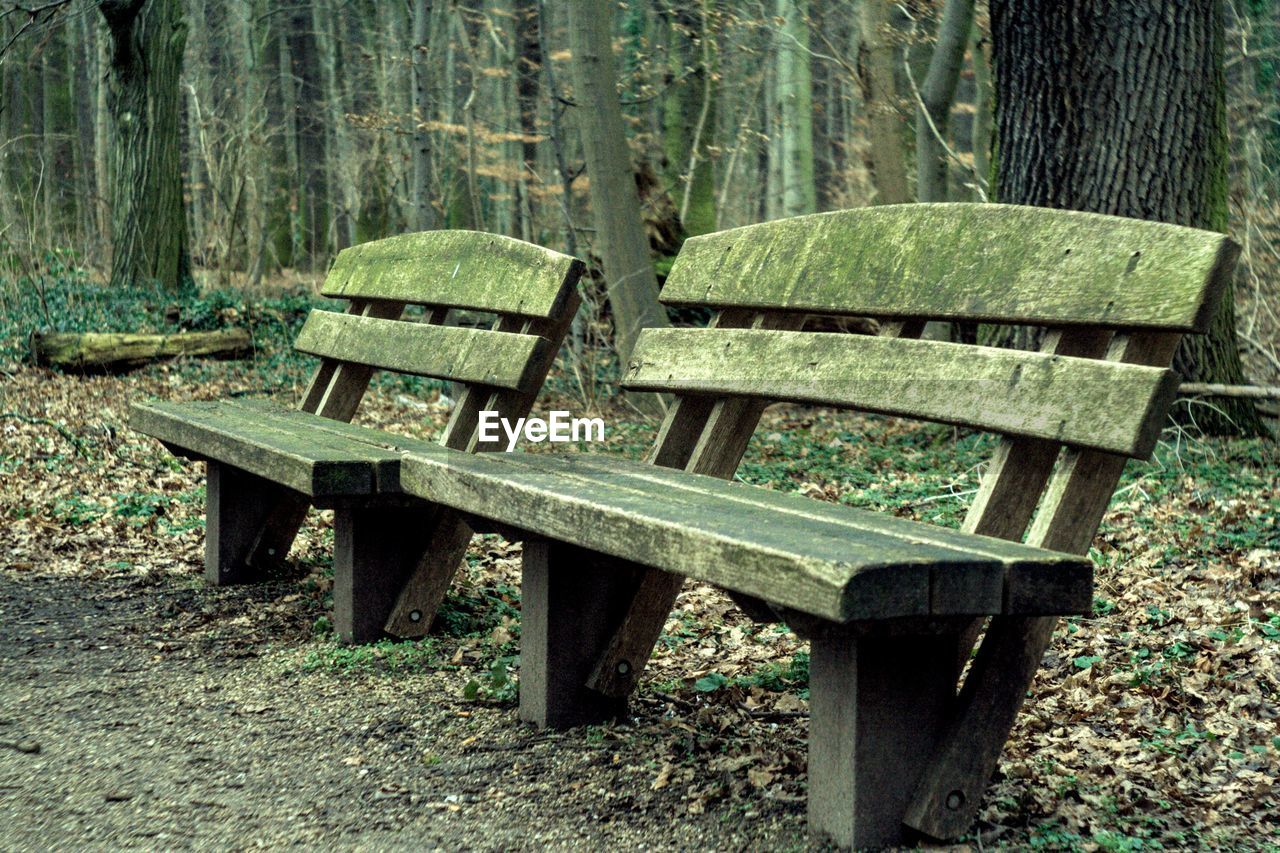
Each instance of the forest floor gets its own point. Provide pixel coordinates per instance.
(141, 708)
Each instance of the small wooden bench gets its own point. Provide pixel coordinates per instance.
(267, 464)
(892, 607)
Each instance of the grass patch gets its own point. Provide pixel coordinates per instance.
(385, 657)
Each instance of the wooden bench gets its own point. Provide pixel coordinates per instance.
(892, 607)
(267, 463)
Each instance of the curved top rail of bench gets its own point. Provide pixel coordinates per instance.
(456, 269)
(991, 263)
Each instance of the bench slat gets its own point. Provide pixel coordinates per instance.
(952, 593)
(480, 356)
(860, 569)
(458, 269)
(1077, 401)
(972, 262)
(316, 464)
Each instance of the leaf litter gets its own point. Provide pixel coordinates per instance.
(1154, 722)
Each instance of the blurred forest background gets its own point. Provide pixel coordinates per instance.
(299, 128)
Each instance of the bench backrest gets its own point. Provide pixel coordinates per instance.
(1114, 294)
(532, 290)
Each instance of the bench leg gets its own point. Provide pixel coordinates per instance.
(239, 513)
(375, 548)
(875, 708)
(571, 601)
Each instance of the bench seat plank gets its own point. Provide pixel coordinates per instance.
(1117, 408)
(318, 464)
(951, 592)
(481, 356)
(863, 566)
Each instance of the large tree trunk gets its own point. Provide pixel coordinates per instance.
(1118, 106)
(149, 225)
(795, 103)
(620, 236)
(878, 56)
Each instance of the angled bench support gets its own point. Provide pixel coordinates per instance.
(274, 516)
(423, 590)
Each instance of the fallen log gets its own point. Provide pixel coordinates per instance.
(1210, 389)
(105, 351)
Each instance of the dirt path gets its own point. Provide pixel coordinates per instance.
(147, 741)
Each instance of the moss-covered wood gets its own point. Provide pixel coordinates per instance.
(120, 351)
(457, 269)
(972, 262)
(862, 566)
(315, 463)
(1085, 402)
(480, 356)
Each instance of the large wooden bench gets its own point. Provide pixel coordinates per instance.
(892, 607)
(267, 463)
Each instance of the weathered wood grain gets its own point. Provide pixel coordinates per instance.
(336, 387)
(859, 569)
(478, 356)
(458, 269)
(976, 262)
(235, 503)
(1083, 402)
(335, 391)
(308, 462)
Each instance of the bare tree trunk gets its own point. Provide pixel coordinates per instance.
(50, 174)
(291, 247)
(529, 61)
(8, 131)
(149, 226)
(425, 218)
(559, 143)
(982, 116)
(80, 56)
(337, 135)
(774, 187)
(248, 47)
(623, 247)
(795, 105)
(880, 95)
(102, 135)
(937, 93)
(1118, 107)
